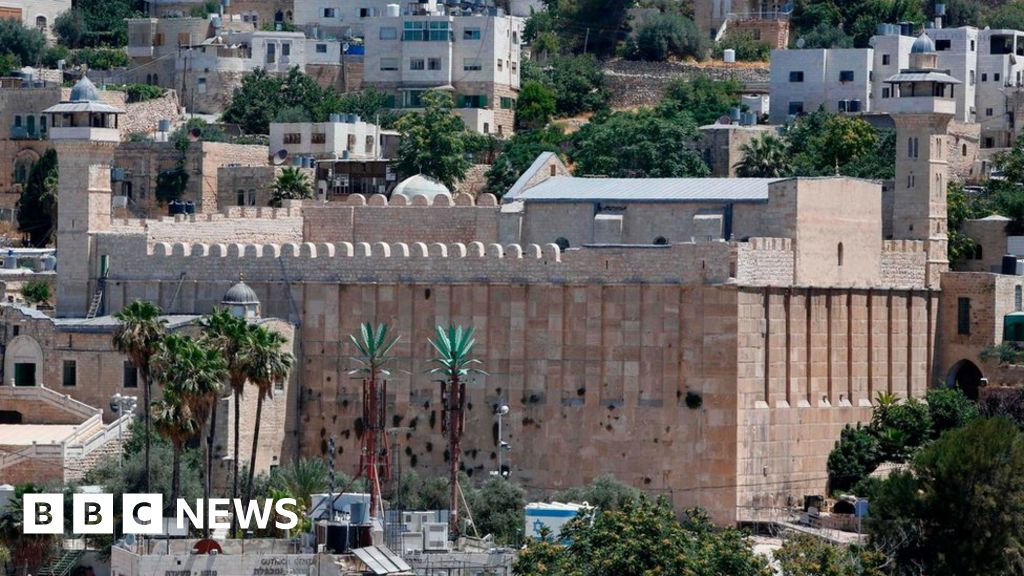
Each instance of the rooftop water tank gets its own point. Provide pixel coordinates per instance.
(729, 55)
(359, 513)
(392, 10)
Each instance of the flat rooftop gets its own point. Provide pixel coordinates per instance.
(27, 434)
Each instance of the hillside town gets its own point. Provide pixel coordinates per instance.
(513, 287)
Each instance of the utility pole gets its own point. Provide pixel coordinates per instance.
(586, 40)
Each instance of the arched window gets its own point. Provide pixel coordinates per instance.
(963, 150)
(279, 16)
(839, 253)
(41, 23)
(978, 254)
(562, 243)
(156, 79)
(661, 241)
(149, 78)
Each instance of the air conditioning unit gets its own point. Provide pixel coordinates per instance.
(435, 537)
(412, 542)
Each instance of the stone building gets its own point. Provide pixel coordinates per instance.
(721, 145)
(23, 136)
(766, 20)
(38, 14)
(704, 339)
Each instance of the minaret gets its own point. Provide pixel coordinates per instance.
(84, 133)
(922, 107)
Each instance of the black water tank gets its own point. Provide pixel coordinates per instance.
(339, 538)
(190, 207)
(1009, 265)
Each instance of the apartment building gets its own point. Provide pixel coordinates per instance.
(344, 137)
(35, 13)
(329, 18)
(989, 64)
(476, 57)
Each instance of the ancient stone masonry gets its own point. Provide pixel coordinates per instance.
(637, 83)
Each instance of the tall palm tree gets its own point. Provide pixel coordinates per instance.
(195, 372)
(764, 157)
(225, 332)
(454, 363)
(291, 184)
(139, 333)
(266, 363)
(374, 348)
(174, 420)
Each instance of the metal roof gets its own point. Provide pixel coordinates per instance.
(102, 324)
(569, 189)
(381, 560)
(71, 107)
(922, 76)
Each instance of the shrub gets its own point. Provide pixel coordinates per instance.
(36, 292)
(100, 58)
(142, 92)
(747, 48)
(856, 455)
(949, 409)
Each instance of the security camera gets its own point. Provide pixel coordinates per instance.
(503, 410)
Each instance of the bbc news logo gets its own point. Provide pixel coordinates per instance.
(142, 514)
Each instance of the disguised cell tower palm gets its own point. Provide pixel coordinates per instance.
(374, 348)
(454, 346)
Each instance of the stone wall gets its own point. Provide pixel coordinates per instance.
(903, 263)
(234, 225)
(643, 83)
(765, 262)
(145, 116)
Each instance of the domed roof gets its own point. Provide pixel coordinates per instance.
(84, 91)
(420, 185)
(922, 45)
(240, 293)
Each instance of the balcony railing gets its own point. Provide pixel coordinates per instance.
(23, 133)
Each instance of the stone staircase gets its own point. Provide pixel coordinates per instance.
(61, 564)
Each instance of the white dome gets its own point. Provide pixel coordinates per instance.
(420, 185)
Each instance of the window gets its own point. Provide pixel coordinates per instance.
(368, 145)
(487, 128)
(330, 13)
(350, 143)
(562, 243)
(41, 23)
(271, 53)
(388, 33)
(515, 37)
(471, 34)
(757, 33)
(1018, 300)
(426, 31)
(388, 64)
(240, 198)
(964, 150)
(796, 76)
(984, 77)
(440, 32)
(293, 138)
(839, 254)
(885, 59)
(252, 197)
(413, 99)
(201, 85)
(989, 142)
(846, 76)
(886, 92)
(995, 77)
(70, 374)
(17, 330)
(286, 49)
(417, 64)
(158, 39)
(911, 181)
(130, 376)
(972, 77)
(319, 138)
(513, 67)
(912, 147)
(472, 101)
(988, 111)
(321, 48)
(24, 374)
(796, 107)
(17, 121)
(433, 63)
(471, 64)
(500, 64)
(507, 103)
(941, 45)
(963, 316)
(972, 45)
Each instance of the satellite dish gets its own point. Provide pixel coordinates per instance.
(724, 120)
(800, 42)
(280, 157)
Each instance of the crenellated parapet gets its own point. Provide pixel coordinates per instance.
(460, 200)
(904, 263)
(378, 250)
(763, 261)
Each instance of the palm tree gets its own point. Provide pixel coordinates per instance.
(138, 335)
(266, 363)
(455, 364)
(291, 184)
(764, 157)
(374, 347)
(174, 420)
(195, 371)
(225, 332)
(302, 478)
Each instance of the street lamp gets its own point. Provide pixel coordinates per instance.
(501, 410)
(125, 405)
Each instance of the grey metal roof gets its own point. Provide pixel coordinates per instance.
(70, 107)
(517, 188)
(381, 560)
(569, 189)
(103, 324)
(922, 76)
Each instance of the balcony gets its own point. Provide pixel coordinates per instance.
(23, 133)
(920, 105)
(86, 133)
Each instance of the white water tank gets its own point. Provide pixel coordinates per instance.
(729, 55)
(392, 10)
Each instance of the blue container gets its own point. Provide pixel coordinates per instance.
(359, 513)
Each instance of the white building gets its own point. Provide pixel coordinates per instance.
(330, 18)
(35, 13)
(355, 140)
(989, 63)
(476, 57)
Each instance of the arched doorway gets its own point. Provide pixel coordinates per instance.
(23, 362)
(966, 376)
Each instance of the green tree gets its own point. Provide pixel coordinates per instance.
(291, 184)
(25, 44)
(100, 58)
(668, 34)
(902, 428)
(643, 144)
(855, 18)
(960, 13)
(26, 550)
(171, 184)
(577, 81)
(1008, 15)
(824, 35)
(302, 477)
(263, 99)
(856, 455)
(225, 333)
(173, 419)
(586, 26)
(518, 154)
(805, 555)
(642, 539)
(92, 23)
(822, 144)
(454, 365)
(958, 209)
(705, 99)
(139, 335)
(36, 292)
(764, 157)
(959, 511)
(432, 141)
(9, 64)
(498, 509)
(949, 409)
(604, 493)
(748, 48)
(535, 106)
(267, 363)
(37, 206)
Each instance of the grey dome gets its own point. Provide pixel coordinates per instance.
(240, 293)
(84, 91)
(923, 45)
(420, 185)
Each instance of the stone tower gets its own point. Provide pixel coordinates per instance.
(84, 133)
(922, 107)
